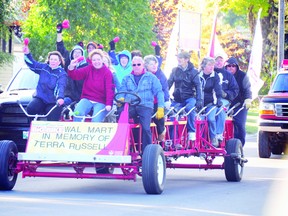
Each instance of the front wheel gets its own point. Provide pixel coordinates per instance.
(153, 169)
(8, 164)
(264, 150)
(234, 160)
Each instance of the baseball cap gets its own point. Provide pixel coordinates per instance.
(184, 54)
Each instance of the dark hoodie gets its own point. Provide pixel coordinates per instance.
(228, 83)
(73, 88)
(69, 56)
(243, 83)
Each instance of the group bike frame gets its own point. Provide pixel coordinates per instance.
(122, 157)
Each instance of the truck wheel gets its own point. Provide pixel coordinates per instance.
(233, 164)
(8, 164)
(153, 169)
(264, 150)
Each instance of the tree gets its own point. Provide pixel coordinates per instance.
(95, 20)
(5, 12)
(269, 23)
(12, 12)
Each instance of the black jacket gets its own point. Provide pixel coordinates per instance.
(186, 83)
(243, 83)
(211, 88)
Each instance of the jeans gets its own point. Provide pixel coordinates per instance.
(239, 124)
(189, 103)
(159, 122)
(220, 118)
(38, 106)
(211, 121)
(141, 115)
(84, 106)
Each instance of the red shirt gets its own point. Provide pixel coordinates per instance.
(98, 84)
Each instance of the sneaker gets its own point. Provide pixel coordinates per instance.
(178, 146)
(219, 137)
(192, 136)
(215, 142)
(161, 136)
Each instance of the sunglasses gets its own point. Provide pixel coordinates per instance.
(231, 65)
(136, 64)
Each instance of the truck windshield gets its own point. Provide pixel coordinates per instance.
(24, 79)
(280, 84)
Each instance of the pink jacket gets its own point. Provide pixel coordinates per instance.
(98, 84)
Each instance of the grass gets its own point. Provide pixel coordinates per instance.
(252, 124)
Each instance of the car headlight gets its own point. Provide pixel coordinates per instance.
(267, 109)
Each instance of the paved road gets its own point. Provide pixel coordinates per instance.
(262, 191)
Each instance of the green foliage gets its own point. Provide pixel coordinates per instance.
(234, 20)
(252, 119)
(241, 7)
(8, 11)
(94, 20)
(269, 23)
(5, 58)
(7, 14)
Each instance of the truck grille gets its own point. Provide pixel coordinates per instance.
(281, 109)
(12, 114)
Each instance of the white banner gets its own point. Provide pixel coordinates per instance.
(255, 62)
(189, 30)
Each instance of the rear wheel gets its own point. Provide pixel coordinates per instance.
(8, 164)
(264, 150)
(234, 160)
(153, 169)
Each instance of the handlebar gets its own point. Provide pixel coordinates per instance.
(214, 107)
(169, 111)
(225, 108)
(230, 111)
(87, 117)
(243, 107)
(203, 109)
(36, 116)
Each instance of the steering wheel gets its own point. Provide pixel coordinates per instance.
(133, 102)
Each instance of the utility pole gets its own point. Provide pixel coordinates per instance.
(281, 32)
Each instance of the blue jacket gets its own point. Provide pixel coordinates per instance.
(163, 80)
(52, 82)
(229, 83)
(243, 83)
(149, 87)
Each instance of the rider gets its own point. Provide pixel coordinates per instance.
(121, 61)
(147, 86)
(244, 97)
(188, 90)
(51, 84)
(73, 88)
(230, 90)
(151, 65)
(212, 94)
(98, 88)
